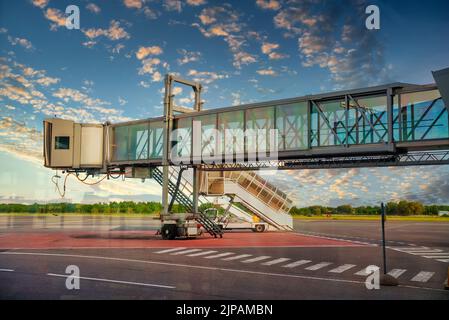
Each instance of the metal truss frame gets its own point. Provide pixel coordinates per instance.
(395, 160)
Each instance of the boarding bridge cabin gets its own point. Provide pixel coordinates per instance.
(390, 125)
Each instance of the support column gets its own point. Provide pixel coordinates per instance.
(166, 146)
(196, 185)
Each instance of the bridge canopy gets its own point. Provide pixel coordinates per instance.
(379, 120)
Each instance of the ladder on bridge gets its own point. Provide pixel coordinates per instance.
(183, 196)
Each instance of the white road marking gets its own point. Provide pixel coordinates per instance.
(443, 260)
(6, 270)
(201, 253)
(170, 250)
(237, 257)
(404, 249)
(184, 252)
(435, 257)
(396, 273)
(318, 266)
(342, 268)
(256, 259)
(219, 255)
(113, 281)
(189, 266)
(297, 263)
(276, 261)
(362, 272)
(434, 251)
(423, 276)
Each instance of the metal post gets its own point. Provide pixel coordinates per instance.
(196, 184)
(385, 279)
(382, 206)
(390, 115)
(166, 146)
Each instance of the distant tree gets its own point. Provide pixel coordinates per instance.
(345, 209)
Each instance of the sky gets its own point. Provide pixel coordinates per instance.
(112, 69)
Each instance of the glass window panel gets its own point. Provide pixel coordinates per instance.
(62, 143)
(373, 114)
(292, 125)
(231, 126)
(423, 116)
(259, 122)
(120, 143)
(182, 139)
(138, 141)
(209, 136)
(332, 120)
(156, 139)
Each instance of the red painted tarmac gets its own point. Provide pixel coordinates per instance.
(149, 239)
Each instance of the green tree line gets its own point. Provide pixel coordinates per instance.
(401, 208)
(112, 207)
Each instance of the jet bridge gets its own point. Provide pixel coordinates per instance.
(396, 124)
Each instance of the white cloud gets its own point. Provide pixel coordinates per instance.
(266, 72)
(20, 41)
(114, 32)
(268, 4)
(136, 4)
(55, 16)
(143, 52)
(205, 77)
(156, 77)
(144, 84)
(188, 56)
(92, 7)
(173, 5)
(148, 66)
(122, 101)
(40, 3)
(196, 2)
(223, 21)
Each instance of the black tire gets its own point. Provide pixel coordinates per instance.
(168, 231)
(259, 228)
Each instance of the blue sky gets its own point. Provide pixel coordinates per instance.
(242, 51)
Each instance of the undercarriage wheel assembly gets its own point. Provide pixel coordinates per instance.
(259, 228)
(168, 231)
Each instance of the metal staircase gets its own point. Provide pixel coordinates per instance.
(178, 192)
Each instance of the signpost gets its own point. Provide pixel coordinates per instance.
(385, 278)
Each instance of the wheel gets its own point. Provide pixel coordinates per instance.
(259, 228)
(168, 231)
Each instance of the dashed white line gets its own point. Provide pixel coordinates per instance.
(256, 259)
(6, 270)
(362, 272)
(423, 276)
(202, 253)
(237, 257)
(318, 266)
(276, 261)
(443, 260)
(189, 266)
(219, 255)
(435, 257)
(342, 268)
(184, 252)
(170, 250)
(113, 281)
(396, 273)
(297, 263)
